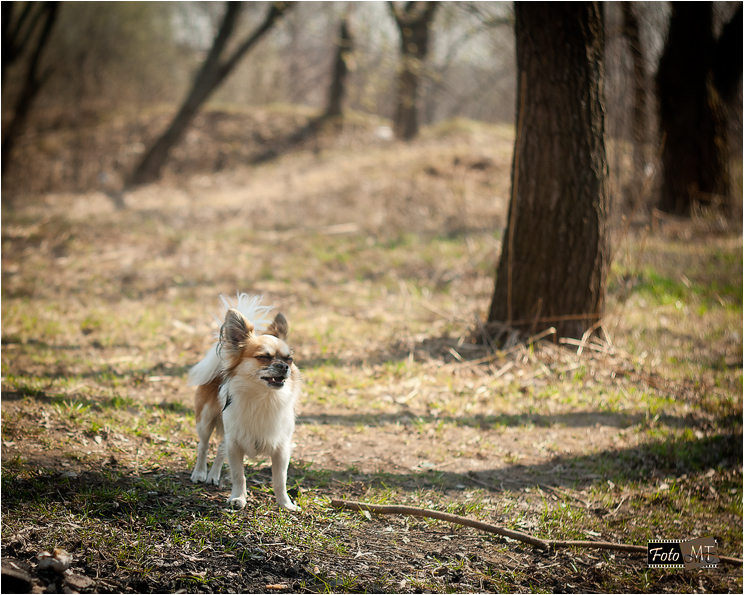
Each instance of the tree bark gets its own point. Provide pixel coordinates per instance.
(210, 76)
(337, 89)
(413, 23)
(691, 117)
(555, 255)
(14, 44)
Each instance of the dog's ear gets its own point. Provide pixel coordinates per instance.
(235, 332)
(279, 328)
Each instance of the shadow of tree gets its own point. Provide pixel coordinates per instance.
(646, 462)
(573, 419)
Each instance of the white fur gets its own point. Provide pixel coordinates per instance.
(250, 307)
(258, 421)
(207, 369)
(259, 425)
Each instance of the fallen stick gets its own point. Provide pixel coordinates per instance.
(517, 535)
(442, 516)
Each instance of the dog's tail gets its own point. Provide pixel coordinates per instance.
(207, 369)
(249, 306)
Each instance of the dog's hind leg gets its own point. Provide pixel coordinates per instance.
(216, 471)
(208, 417)
(204, 428)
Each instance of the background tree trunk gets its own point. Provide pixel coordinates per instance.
(728, 57)
(19, 40)
(413, 23)
(555, 254)
(639, 124)
(210, 76)
(691, 118)
(337, 89)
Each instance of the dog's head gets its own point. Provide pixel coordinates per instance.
(262, 358)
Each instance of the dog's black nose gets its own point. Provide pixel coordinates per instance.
(282, 367)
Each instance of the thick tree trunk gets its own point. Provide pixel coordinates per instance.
(555, 254)
(337, 89)
(210, 76)
(691, 118)
(413, 23)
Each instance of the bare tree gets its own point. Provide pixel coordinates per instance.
(414, 21)
(555, 256)
(343, 55)
(27, 36)
(696, 72)
(639, 125)
(214, 70)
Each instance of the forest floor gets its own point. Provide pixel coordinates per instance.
(382, 257)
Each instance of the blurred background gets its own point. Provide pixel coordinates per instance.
(89, 86)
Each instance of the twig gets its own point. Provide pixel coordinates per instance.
(614, 512)
(541, 335)
(587, 335)
(517, 535)
(442, 516)
(583, 344)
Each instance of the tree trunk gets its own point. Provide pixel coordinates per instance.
(210, 76)
(340, 70)
(555, 255)
(413, 23)
(691, 118)
(639, 125)
(728, 57)
(14, 44)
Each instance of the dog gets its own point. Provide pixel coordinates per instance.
(247, 388)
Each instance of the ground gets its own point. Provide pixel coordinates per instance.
(382, 257)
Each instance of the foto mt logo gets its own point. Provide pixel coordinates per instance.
(690, 554)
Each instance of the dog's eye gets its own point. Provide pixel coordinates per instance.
(288, 359)
(264, 357)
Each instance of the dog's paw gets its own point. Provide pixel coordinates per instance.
(213, 480)
(286, 504)
(199, 476)
(236, 503)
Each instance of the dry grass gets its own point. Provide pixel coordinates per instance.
(382, 257)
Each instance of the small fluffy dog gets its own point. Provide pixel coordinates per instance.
(247, 387)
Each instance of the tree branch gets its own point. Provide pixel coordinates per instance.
(276, 11)
(442, 516)
(517, 535)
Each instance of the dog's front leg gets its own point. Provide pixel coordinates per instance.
(279, 464)
(238, 495)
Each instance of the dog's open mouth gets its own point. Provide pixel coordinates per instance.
(274, 381)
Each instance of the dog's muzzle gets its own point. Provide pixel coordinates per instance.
(276, 374)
